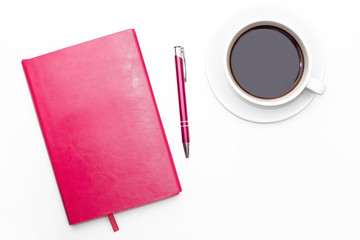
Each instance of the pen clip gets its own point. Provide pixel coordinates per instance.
(184, 63)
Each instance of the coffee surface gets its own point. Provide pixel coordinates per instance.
(266, 62)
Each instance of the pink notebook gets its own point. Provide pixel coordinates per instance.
(101, 127)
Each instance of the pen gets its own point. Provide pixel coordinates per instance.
(181, 79)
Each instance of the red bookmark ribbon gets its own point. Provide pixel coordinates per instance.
(113, 222)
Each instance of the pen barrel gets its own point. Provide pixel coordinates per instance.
(185, 133)
(182, 99)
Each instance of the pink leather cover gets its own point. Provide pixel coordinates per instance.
(101, 126)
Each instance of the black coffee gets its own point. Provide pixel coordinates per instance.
(266, 62)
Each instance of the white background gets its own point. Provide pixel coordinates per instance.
(297, 179)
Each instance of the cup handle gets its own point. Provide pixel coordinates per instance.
(316, 86)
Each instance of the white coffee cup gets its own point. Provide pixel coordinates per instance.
(307, 81)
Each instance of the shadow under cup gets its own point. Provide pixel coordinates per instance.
(266, 62)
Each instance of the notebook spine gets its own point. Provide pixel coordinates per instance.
(157, 110)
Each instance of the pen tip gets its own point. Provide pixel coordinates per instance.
(186, 149)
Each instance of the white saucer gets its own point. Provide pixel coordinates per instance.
(227, 95)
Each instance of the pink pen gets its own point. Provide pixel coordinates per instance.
(181, 79)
